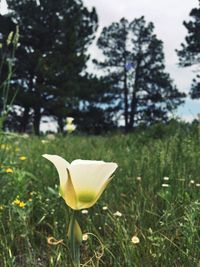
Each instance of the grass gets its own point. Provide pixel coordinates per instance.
(165, 219)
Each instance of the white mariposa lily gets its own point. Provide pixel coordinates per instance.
(83, 181)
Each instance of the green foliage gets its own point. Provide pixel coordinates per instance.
(164, 218)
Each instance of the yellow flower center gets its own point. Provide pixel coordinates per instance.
(86, 196)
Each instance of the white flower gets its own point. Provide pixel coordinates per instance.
(197, 185)
(117, 213)
(70, 128)
(165, 185)
(192, 181)
(84, 211)
(85, 237)
(135, 240)
(105, 208)
(139, 178)
(83, 181)
(51, 137)
(44, 141)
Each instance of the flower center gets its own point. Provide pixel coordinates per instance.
(86, 196)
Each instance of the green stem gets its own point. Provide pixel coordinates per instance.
(75, 239)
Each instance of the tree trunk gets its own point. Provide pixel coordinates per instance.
(60, 124)
(25, 119)
(36, 120)
(134, 99)
(125, 100)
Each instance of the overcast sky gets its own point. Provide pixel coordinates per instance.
(168, 17)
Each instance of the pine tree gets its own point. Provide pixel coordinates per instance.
(189, 54)
(134, 63)
(54, 37)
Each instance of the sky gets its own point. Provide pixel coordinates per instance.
(168, 17)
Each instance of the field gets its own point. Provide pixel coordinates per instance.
(148, 216)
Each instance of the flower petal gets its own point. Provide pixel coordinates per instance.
(89, 178)
(61, 165)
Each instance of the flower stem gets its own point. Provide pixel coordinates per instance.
(75, 239)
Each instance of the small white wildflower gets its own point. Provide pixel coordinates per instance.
(165, 185)
(192, 181)
(135, 240)
(139, 178)
(51, 137)
(44, 141)
(85, 237)
(166, 178)
(105, 208)
(84, 211)
(117, 213)
(197, 185)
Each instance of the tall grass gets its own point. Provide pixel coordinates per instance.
(165, 219)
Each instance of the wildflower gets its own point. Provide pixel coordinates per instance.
(44, 141)
(165, 185)
(135, 240)
(139, 178)
(192, 181)
(16, 202)
(83, 181)
(166, 178)
(22, 204)
(105, 208)
(69, 120)
(1, 207)
(22, 158)
(85, 237)
(70, 128)
(197, 185)
(118, 214)
(5, 147)
(9, 170)
(51, 137)
(84, 211)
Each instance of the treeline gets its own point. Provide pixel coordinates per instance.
(51, 79)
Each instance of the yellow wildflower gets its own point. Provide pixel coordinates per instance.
(9, 170)
(22, 158)
(16, 202)
(22, 204)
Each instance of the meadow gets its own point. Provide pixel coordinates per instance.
(148, 216)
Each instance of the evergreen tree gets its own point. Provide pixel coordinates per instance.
(54, 37)
(134, 63)
(189, 54)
